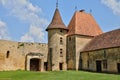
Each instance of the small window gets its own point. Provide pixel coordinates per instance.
(105, 64)
(61, 52)
(8, 53)
(105, 54)
(69, 38)
(61, 40)
(88, 54)
(50, 51)
(61, 30)
(80, 55)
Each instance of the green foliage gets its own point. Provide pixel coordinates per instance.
(56, 75)
(20, 45)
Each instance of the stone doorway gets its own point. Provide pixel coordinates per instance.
(98, 66)
(118, 67)
(61, 66)
(35, 64)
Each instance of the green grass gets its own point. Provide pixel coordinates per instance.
(60, 75)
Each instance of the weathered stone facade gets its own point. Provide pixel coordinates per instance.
(57, 49)
(102, 54)
(14, 55)
(75, 43)
(109, 60)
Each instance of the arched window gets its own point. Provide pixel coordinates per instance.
(7, 54)
(61, 52)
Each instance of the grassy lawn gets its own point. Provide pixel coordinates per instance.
(60, 75)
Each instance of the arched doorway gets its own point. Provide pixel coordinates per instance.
(35, 64)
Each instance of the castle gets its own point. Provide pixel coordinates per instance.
(80, 46)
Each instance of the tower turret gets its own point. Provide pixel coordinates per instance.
(57, 32)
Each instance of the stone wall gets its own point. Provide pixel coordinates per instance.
(111, 56)
(75, 45)
(71, 56)
(81, 42)
(13, 54)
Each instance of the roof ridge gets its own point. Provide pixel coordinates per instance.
(75, 20)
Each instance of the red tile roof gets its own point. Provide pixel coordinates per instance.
(56, 21)
(84, 24)
(105, 40)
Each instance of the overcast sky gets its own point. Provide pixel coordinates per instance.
(26, 20)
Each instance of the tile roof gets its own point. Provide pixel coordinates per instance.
(56, 21)
(105, 40)
(84, 24)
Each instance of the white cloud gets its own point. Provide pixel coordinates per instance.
(34, 34)
(34, 8)
(27, 38)
(113, 4)
(27, 12)
(2, 24)
(34, 31)
(3, 31)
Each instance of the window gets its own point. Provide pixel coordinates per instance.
(61, 52)
(61, 30)
(80, 55)
(50, 50)
(105, 64)
(50, 53)
(88, 55)
(105, 54)
(69, 38)
(61, 40)
(8, 53)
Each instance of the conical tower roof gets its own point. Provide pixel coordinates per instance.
(56, 22)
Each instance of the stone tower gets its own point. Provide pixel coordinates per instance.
(82, 29)
(57, 32)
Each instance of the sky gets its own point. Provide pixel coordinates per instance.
(26, 20)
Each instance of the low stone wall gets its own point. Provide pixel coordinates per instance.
(13, 54)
